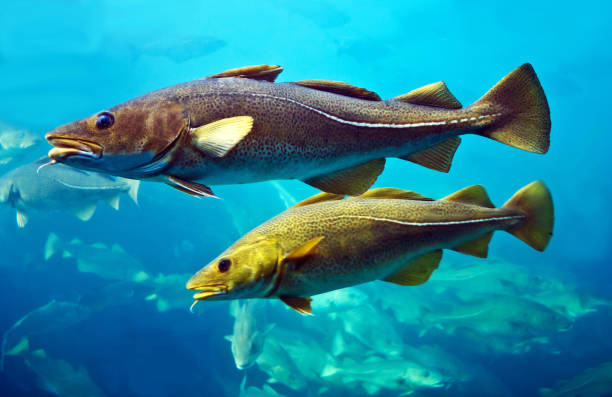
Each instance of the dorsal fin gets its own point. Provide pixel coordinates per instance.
(339, 87)
(256, 72)
(319, 198)
(393, 193)
(475, 195)
(435, 94)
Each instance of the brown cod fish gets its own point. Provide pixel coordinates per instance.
(327, 242)
(239, 127)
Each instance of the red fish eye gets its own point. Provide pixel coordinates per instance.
(224, 265)
(105, 120)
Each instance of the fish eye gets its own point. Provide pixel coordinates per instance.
(224, 265)
(105, 120)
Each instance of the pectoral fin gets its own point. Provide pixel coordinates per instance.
(417, 271)
(352, 181)
(219, 137)
(438, 157)
(22, 218)
(191, 188)
(85, 213)
(303, 250)
(300, 305)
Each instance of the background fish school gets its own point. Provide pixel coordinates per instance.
(62, 60)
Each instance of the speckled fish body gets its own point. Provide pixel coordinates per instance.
(325, 243)
(236, 127)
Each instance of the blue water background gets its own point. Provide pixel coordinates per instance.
(62, 60)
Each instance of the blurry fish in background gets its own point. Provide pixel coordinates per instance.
(252, 391)
(279, 366)
(34, 187)
(111, 263)
(179, 49)
(376, 373)
(15, 143)
(249, 333)
(326, 242)
(339, 300)
(363, 49)
(55, 315)
(592, 382)
(59, 377)
(168, 292)
(324, 14)
(115, 294)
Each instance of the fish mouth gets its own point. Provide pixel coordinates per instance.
(208, 291)
(70, 147)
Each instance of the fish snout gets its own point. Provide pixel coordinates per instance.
(206, 290)
(66, 147)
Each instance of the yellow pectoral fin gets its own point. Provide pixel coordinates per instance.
(219, 137)
(417, 271)
(352, 181)
(303, 250)
(300, 305)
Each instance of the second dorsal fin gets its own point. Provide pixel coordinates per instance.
(393, 193)
(319, 198)
(435, 94)
(339, 87)
(475, 195)
(256, 72)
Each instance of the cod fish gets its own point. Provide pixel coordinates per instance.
(14, 143)
(247, 340)
(32, 188)
(592, 382)
(325, 243)
(239, 126)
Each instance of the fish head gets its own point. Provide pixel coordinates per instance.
(245, 270)
(246, 350)
(131, 139)
(424, 377)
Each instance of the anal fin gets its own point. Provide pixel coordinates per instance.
(191, 188)
(438, 157)
(300, 305)
(418, 270)
(113, 202)
(85, 213)
(478, 247)
(352, 181)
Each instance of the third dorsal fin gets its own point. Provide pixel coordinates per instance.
(339, 87)
(393, 193)
(475, 195)
(435, 94)
(256, 72)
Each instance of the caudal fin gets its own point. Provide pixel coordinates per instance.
(535, 201)
(525, 117)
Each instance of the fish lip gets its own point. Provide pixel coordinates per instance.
(65, 147)
(208, 291)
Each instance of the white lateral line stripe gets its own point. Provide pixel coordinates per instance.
(443, 223)
(372, 125)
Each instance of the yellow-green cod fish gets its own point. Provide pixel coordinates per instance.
(326, 242)
(240, 127)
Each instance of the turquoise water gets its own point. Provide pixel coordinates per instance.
(63, 60)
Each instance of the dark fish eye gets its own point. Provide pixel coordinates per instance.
(224, 265)
(105, 120)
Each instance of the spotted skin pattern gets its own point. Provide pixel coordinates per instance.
(365, 239)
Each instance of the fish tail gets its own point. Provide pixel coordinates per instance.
(535, 201)
(524, 116)
(52, 245)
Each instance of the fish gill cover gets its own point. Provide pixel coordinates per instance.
(96, 305)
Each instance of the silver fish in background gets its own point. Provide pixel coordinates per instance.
(55, 315)
(592, 382)
(179, 49)
(33, 187)
(111, 263)
(15, 143)
(249, 335)
(252, 391)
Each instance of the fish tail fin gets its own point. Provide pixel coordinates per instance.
(524, 122)
(134, 185)
(52, 245)
(331, 368)
(535, 201)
